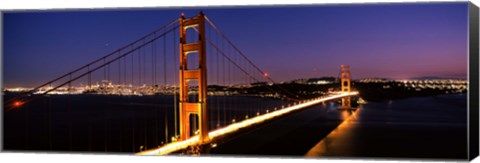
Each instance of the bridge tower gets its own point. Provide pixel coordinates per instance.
(345, 82)
(188, 74)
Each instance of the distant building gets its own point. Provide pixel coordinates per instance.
(321, 81)
(259, 84)
(375, 80)
(299, 81)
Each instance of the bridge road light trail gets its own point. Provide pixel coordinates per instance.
(194, 140)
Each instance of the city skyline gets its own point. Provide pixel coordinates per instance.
(396, 41)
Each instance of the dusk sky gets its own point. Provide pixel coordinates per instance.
(397, 41)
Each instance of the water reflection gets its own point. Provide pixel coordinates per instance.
(322, 148)
(408, 128)
(346, 114)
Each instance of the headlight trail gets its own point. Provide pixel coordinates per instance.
(194, 140)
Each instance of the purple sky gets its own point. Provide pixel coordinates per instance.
(397, 41)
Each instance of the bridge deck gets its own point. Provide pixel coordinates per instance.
(176, 146)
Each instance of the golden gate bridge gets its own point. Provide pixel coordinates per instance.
(189, 60)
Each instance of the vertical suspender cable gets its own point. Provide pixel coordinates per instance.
(89, 110)
(224, 85)
(217, 63)
(119, 83)
(49, 105)
(209, 76)
(69, 103)
(139, 67)
(174, 63)
(133, 91)
(155, 88)
(125, 71)
(229, 102)
(104, 107)
(143, 67)
(165, 84)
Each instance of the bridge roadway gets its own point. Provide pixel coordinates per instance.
(179, 145)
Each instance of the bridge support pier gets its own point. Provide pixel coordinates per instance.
(187, 74)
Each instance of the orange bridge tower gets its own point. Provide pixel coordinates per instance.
(346, 83)
(198, 75)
